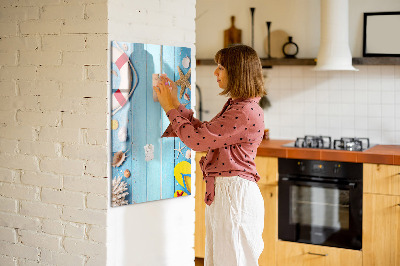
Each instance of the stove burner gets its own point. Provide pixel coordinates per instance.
(308, 141)
(324, 142)
(351, 144)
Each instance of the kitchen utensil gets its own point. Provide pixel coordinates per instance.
(232, 35)
(269, 38)
(252, 9)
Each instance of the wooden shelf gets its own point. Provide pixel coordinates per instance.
(288, 62)
(265, 62)
(268, 62)
(376, 61)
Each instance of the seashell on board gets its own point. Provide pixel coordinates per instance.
(186, 96)
(188, 154)
(122, 134)
(125, 47)
(127, 173)
(114, 124)
(148, 152)
(118, 159)
(186, 62)
(114, 73)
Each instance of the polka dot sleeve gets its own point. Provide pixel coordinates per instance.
(223, 131)
(187, 113)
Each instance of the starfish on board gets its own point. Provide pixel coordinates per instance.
(179, 150)
(183, 81)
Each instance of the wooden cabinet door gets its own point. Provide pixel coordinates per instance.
(381, 179)
(298, 254)
(381, 230)
(267, 168)
(200, 207)
(270, 233)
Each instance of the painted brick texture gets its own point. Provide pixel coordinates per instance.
(53, 114)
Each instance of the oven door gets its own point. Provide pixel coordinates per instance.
(321, 212)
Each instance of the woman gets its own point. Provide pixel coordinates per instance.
(235, 207)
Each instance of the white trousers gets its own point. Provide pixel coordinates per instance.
(234, 223)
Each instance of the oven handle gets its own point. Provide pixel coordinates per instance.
(297, 181)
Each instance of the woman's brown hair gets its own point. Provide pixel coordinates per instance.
(245, 78)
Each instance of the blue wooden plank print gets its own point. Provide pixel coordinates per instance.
(182, 163)
(168, 161)
(139, 127)
(146, 167)
(153, 130)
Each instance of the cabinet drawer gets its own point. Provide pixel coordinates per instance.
(290, 253)
(381, 179)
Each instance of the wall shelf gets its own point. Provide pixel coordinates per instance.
(376, 61)
(312, 61)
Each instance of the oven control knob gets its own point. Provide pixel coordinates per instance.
(302, 167)
(336, 169)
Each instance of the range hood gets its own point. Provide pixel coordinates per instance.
(334, 51)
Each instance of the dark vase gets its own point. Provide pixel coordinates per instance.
(290, 49)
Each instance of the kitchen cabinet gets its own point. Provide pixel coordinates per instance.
(267, 168)
(381, 179)
(381, 230)
(299, 254)
(381, 221)
(200, 207)
(270, 233)
(381, 215)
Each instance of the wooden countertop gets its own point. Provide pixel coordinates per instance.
(379, 154)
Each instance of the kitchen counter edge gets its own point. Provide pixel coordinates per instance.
(379, 154)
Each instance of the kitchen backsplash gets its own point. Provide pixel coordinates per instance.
(337, 104)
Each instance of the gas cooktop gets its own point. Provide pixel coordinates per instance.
(325, 142)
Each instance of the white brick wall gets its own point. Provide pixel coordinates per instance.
(53, 122)
(53, 111)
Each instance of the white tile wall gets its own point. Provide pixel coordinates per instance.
(338, 104)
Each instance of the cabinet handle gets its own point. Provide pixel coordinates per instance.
(311, 253)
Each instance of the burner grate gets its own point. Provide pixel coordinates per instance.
(324, 142)
(321, 142)
(351, 144)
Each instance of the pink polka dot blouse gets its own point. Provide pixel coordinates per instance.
(231, 139)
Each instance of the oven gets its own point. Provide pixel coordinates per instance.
(320, 202)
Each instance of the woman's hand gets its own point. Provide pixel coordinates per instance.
(164, 94)
(174, 91)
